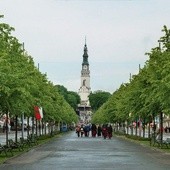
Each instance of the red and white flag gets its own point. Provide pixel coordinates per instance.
(38, 112)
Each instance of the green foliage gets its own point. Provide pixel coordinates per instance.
(62, 90)
(71, 97)
(22, 85)
(147, 93)
(97, 99)
(139, 138)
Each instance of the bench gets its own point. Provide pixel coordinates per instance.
(15, 145)
(156, 140)
(167, 141)
(24, 142)
(2, 149)
(160, 142)
(32, 139)
(5, 149)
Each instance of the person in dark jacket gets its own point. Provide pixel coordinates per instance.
(104, 131)
(109, 131)
(93, 130)
(78, 130)
(88, 129)
(99, 130)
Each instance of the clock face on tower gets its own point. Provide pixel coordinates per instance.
(85, 67)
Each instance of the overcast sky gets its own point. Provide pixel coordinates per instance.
(118, 33)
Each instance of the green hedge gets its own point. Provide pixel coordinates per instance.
(134, 137)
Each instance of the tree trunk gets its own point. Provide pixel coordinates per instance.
(45, 127)
(36, 127)
(33, 125)
(39, 127)
(16, 128)
(28, 126)
(42, 126)
(136, 129)
(149, 130)
(6, 128)
(143, 126)
(161, 127)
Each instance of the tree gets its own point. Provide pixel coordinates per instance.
(98, 98)
(70, 96)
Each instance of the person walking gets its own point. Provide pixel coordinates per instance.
(78, 130)
(82, 130)
(99, 131)
(104, 131)
(88, 130)
(85, 130)
(93, 130)
(109, 131)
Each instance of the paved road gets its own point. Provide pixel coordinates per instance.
(72, 153)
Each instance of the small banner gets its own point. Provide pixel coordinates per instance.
(37, 113)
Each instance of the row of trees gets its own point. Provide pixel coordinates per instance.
(147, 94)
(70, 96)
(23, 86)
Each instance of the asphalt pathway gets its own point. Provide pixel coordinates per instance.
(69, 152)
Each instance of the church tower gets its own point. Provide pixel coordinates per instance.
(84, 91)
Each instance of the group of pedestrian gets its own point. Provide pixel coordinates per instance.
(104, 131)
(83, 130)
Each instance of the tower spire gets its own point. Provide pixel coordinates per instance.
(85, 55)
